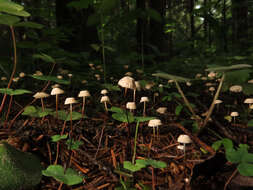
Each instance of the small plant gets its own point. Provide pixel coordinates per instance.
(239, 156)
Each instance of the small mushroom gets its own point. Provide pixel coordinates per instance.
(183, 140)
(83, 94)
(41, 95)
(104, 100)
(234, 115)
(155, 123)
(127, 82)
(235, 88)
(161, 110)
(144, 99)
(56, 92)
(131, 106)
(104, 92)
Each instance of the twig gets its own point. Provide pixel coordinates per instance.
(230, 178)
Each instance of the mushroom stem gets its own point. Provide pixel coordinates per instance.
(106, 109)
(42, 104)
(144, 109)
(56, 105)
(134, 94)
(125, 92)
(83, 107)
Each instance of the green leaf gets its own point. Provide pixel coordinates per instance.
(82, 4)
(156, 164)
(245, 169)
(71, 177)
(28, 24)
(44, 57)
(11, 92)
(178, 110)
(229, 68)
(65, 116)
(5, 4)
(29, 110)
(56, 138)
(74, 145)
(134, 167)
(116, 110)
(8, 20)
(143, 119)
(36, 112)
(50, 78)
(171, 77)
(122, 117)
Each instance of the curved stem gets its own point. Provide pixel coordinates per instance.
(14, 66)
(135, 141)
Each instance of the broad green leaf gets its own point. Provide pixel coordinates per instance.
(56, 138)
(74, 145)
(178, 109)
(228, 144)
(116, 110)
(245, 169)
(29, 110)
(5, 4)
(44, 57)
(71, 177)
(28, 24)
(133, 167)
(123, 117)
(96, 47)
(143, 119)
(50, 78)
(11, 92)
(8, 20)
(156, 164)
(171, 77)
(65, 116)
(239, 155)
(229, 68)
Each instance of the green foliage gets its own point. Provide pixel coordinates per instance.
(81, 4)
(18, 170)
(239, 156)
(44, 57)
(12, 92)
(29, 24)
(12, 8)
(33, 111)
(229, 68)
(73, 145)
(50, 78)
(171, 77)
(65, 116)
(142, 164)
(70, 177)
(56, 138)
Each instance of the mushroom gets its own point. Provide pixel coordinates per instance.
(104, 100)
(104, 92)
(83, 94)
(161, 110)
(248, 101)
(144, 99)
(41, 95)
(156, 94)
(69, 101)
(211, 89)
(217, 102)
(131, 106)
(129, 74)
(155, 123)
(183, 139)
(235, 88)
(56, 92)
(234, 114)
(127, 82)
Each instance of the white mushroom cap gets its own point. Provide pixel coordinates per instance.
(212, 74)
(127, 82)
(211, 89)
(40, 95)
(144, 99)
(138, 86)
(59, 77)
(104, 99)
(234, 114)
(104, 91)
(129, 74)
(84, 93)
(56, 91)
(235, 88)
(170, 81)
(181, 147)
(55, 86)
(131, 105)
(161, 110)
(22, 74)
(248, 101)
(38, 73)
(154, 123)
(209, 84)
(184, 139)
(250, 81)
(148, 86)
(70, 100)
(198, 75)
(218, 101)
